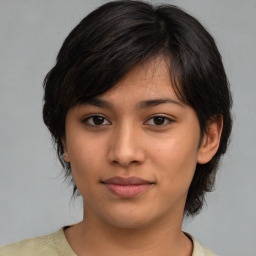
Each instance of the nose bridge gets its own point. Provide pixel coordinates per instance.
(126, 145)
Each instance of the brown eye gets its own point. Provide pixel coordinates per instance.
(159, 121)
(96, 120)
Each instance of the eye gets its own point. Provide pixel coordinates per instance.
(159, 120)
(96, 120)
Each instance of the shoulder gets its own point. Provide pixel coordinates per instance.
(49, 245)
(200, 250)
(42, 245)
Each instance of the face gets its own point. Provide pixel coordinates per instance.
(133, 150)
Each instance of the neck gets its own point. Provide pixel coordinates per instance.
(158, 238)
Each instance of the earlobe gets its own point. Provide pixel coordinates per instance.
(65, 154)
(66, 157)
(211, 141)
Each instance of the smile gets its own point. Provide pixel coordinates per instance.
(127, 187)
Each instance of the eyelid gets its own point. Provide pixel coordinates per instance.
(169, 119)
(86, 118)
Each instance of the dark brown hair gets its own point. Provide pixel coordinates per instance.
(111, 40)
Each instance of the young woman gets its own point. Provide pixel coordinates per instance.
(138, 104)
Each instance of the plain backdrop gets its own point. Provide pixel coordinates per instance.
(35, 199)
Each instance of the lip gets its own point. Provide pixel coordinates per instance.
(127, 187)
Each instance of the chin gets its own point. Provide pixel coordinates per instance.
(129, 224)
(128, 220)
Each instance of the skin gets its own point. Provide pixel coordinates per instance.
(129, 140)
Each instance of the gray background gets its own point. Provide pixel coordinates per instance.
(35, 200)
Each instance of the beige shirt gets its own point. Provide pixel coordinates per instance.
(56, 244)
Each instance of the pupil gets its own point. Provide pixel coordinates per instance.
(159, 120)
(98, 120)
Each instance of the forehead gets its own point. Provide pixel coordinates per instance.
(147, 80)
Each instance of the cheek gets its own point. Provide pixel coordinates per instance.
(86, 161)
(83, 149)
(175, 160)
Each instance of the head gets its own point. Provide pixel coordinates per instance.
(118, 36)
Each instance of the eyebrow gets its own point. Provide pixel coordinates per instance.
(155, 102)
(98, 103)
(141, 105)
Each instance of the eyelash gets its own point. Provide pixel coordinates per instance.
(86, 120)
(167, 120)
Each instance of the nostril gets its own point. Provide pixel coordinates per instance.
(125, 153)
(123, 163)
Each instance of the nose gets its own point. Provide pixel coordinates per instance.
(126, 147)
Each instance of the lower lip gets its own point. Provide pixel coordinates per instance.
(127, 191)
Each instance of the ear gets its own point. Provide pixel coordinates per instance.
(211, 141)
(65, 155)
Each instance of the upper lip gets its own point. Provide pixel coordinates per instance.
(132, 180)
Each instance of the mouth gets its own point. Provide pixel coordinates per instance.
(127, 187)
